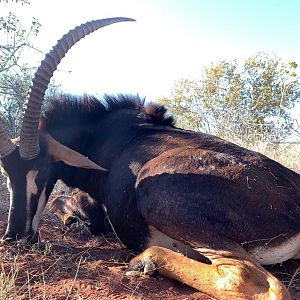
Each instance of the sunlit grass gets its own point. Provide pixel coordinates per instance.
(286, 154)
(8, 280)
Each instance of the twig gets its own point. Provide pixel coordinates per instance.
(73, 283)
(44, 284)
(28, 282)
(296, 273)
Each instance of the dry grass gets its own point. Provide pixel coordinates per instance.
(8, 280)
(286, 154)
(69, 265)
(91, 268)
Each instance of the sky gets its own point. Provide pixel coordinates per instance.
(170, 40)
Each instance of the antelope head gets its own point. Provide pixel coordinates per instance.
(27, 163)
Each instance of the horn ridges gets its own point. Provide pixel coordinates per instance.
(6, 145)
(29, 138)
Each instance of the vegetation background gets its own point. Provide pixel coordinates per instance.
(249, 103)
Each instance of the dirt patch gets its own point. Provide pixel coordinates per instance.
(74, 265)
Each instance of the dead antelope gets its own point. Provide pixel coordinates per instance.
(200, 209)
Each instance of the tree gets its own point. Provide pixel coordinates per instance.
(243, 104)
(15, 75)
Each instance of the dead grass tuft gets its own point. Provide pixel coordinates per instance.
(8, 279)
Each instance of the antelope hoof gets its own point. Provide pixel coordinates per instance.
(144, 266)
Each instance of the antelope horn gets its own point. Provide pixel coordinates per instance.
(29, 136)
(6, 145)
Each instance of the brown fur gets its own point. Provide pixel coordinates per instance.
(234, 277)
(176, 190)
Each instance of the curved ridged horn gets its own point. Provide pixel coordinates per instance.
(29, 137)
(6, 145)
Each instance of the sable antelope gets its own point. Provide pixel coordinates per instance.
(205, 212)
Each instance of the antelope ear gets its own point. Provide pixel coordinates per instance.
(70, 157)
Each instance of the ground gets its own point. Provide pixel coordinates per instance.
(73, 265)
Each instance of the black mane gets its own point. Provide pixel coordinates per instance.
(66, 110)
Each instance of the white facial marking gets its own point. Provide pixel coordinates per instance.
(31, 189)
(8, 184)
(3, 171)
(39, 211)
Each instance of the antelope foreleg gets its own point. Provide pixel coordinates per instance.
(228, 278)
